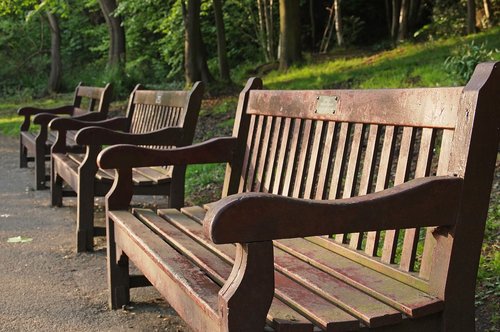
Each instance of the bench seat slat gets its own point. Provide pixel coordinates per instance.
(101, 175)
(217, 268)
(366, 308)
(175, 277)
(413, 302)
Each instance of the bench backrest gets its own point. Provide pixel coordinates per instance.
(331, 144)
(151, 110)
(92, 99)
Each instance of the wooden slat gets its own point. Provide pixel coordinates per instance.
(263, 158)
(170, 98)
(291, 157)
(193, 295)
(270, 172)
(411, 237)
(369, 310)
(313, 162)
(402, 170)
(217, 268)
(281, 156)
(325, 161)
(373, 238)
(442, 169)
(153, 174)
(247, 156)
(101, 175)
(301, 161)
(255, 155)
(409, 300)
(339, 163)
(423, 107)
(366, 176)
(90, 92)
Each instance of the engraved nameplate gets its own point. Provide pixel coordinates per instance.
(158, 99)
(326, 104)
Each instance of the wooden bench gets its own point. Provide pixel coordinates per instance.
(36, 146)
(343, 210)
(161, 119)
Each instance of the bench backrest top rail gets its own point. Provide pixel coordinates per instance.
(92, 99)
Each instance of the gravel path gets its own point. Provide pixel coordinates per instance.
(44, 285)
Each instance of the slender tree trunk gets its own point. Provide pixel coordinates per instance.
(413, 16)
(116, 57)
(290, 51)
(268, 16)
(403, 20)
(396, 7)
(488, 12)
(195, 61)
(54, 83)
(388, 16)
(221, 42)
(338, 22)
(313, 24)
(262, 30)
(471, 16)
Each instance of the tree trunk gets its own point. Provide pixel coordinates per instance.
(413, 17)
(290, 51)
(338, 23)
(388, 16)
(403, 20)
(116, 57)
(221, 42)
(313, 24)
(488, 12)
(195, 61)
(54, 83)
(268, 16)
(396, 7)
(471, 16)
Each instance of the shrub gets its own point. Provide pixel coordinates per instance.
(462, 63)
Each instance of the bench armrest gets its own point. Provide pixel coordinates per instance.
(91, 116)
(104, 136)
(118, 123)
(28, 111)
(255, 217)
(215, 150)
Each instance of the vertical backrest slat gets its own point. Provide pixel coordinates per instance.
(326, 161)
(270, 167)
(315, 156)
(260, 122)
(263, 158)
(277, 184)
(248, 154)
(402, 170)
(367, 175)
(442, 169)
(339, 164)
(411, 237)
(302, 158)
(294, 142)
(373, 238)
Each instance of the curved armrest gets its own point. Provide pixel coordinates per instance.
(91, 116)
(253, 217)
(67, 109)
(101, 136)
(118, 123)
(215, 150)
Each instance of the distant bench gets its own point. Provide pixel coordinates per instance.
(36, 146)
(155, 118)
(342, 210)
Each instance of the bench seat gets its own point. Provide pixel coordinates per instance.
(332, 292)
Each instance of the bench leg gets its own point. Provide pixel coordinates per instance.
(85, 216)
(118, 271)
(40, 167)
(254, 265)
(23, 155)
(56, 182)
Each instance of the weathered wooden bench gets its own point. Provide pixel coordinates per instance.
(343, 210)
(36, 146)
(162, 119)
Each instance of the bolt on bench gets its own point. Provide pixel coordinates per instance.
(36, 146)
(343, 210)
(161, 119)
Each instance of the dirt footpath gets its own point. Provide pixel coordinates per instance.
(44, 285)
